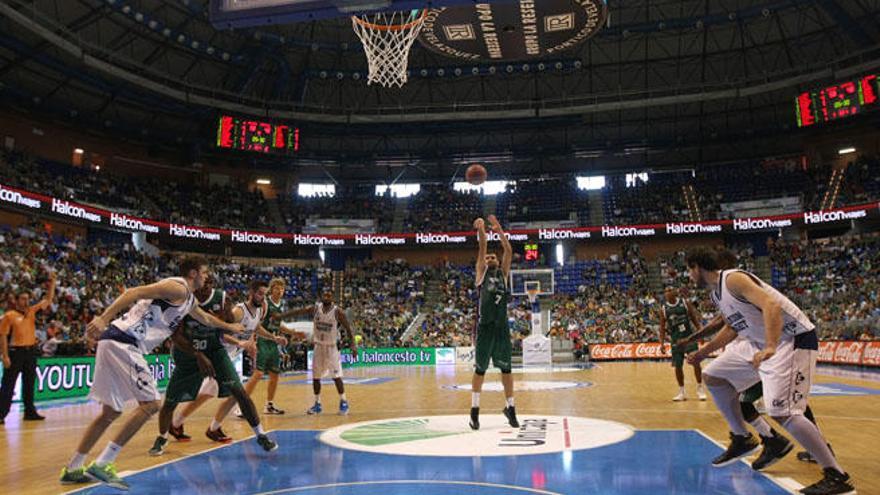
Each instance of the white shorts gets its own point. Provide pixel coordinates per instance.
(786, 377)
(326, 360)
(121, 375)
(209, 387)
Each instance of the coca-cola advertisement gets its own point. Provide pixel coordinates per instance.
(848, 353)
(836, 352)
(871, 354)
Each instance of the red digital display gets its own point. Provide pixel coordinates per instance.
(244, 134)
(531, 252)
(838, 101)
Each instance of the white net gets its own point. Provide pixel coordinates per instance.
(387, 38)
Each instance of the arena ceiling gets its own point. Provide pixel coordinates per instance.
(666, 81)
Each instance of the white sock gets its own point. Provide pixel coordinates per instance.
(727, 402)
(77, 461)
(808, 435)
(177, 420)
(681, 390)
(317, 399)
(215, 425)
(164, 435)
(109, 454)
(259, 429)
(510, 402)
(342, 397)
(475, 399)
(763, 428)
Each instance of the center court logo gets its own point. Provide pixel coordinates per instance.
(451, 436)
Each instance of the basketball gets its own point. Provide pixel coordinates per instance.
(476, 174)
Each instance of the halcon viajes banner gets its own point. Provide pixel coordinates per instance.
(20, 199)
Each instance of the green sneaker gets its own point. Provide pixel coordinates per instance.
(158, 446)
(74, 476)
(107, 475)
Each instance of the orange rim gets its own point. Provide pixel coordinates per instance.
(391, 27)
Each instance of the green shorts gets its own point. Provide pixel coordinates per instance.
(678, 355)
(186, 379)
(752, 393)
(268, 356)
(493, 342)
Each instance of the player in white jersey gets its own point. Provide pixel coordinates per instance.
(121, 372)
(326, 360)
(250, 315)
(778, 346)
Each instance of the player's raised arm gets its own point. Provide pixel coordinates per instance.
(506, 250)
(212, 321)
(483, 248)
(304, 311)
(167, 289)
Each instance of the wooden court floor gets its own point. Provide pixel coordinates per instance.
(637, 394)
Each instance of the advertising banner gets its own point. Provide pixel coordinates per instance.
(65, 377)
(835, 352)
(89, 215)
(391, 356)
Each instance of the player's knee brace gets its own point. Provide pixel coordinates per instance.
(749, 412)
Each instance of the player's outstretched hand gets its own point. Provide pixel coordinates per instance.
(694, 358)
(479, 224)
(95, 327)
(354, 351)
(493, 222)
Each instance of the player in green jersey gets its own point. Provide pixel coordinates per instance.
(679, 317)
(492, 338)
(268, 354)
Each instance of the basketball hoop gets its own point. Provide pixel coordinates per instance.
(532, 293)
(387, 38)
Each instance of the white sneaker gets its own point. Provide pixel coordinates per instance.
(701, 393)
(680, 397)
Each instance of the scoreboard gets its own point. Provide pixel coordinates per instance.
(246, 134)
(838, 101)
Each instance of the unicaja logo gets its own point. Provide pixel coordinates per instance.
(553, 234)
(430, 238)
(192, 232)
(759, 224)
(245, 236)
(65, 208)
(832, 216)
(17, 198)
(691, 228)
(378, 240)
(626, 232)
(125, 222)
